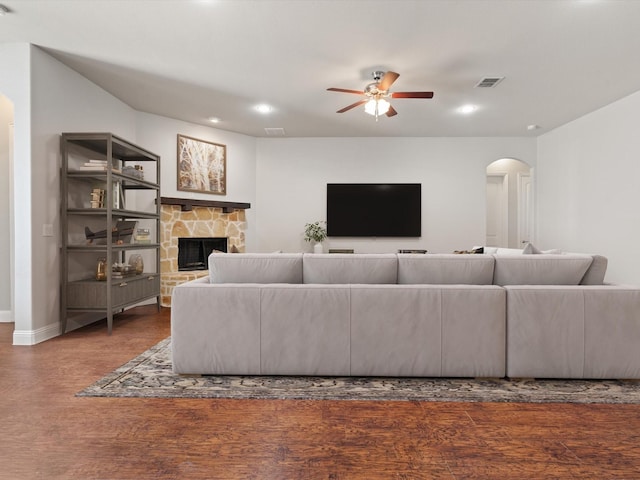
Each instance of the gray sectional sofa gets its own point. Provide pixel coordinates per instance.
(433, 315)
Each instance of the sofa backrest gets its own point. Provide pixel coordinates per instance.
(362, 268)
(255, 268)
(445, 269)
(416, 269)
(540, 269)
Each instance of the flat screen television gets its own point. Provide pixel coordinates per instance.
(374, 209)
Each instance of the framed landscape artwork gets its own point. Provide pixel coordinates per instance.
(202, 166)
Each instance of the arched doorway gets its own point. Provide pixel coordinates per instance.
(509, 204)
(6, 209)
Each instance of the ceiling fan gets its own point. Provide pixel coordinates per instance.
(375, 94)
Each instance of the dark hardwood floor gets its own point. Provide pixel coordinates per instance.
(48, 433)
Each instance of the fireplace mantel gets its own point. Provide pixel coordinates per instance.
(186, 204)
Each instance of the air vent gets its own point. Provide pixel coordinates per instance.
(274, 131)
(489, 82)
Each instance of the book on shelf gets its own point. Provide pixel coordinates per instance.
(119, 275)
(97, 168)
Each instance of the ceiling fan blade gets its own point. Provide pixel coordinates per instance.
(344, 90)
(353, 105)
(387, 80)
(391, 112)
(412, 95)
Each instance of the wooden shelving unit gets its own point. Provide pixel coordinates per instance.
(126, 198)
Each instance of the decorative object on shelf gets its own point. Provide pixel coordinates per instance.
(93, 165)
(316, 232)
(202, 166)
(121, 270)
(120, 234)
(101, 269)
(411, 250)
(118, 200)
(137, 263)
(97, 198)
(134, 171)
(142, 236)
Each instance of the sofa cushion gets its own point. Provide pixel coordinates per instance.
(304, 329)
(445, 269)
(540, 269)
(255, 268)
(545, 331)
(428, 330)
(360, 268)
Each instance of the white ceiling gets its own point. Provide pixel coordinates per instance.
(194, 59)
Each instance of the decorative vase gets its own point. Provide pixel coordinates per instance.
(135, 261)
(101, 269)
(317, 248)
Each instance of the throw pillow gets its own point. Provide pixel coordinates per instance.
(474, 250)
(530, 249)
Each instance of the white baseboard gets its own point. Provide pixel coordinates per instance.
(6, 316)
(31, 337)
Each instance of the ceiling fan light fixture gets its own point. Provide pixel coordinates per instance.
(377, 107)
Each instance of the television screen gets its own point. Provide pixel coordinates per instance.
(374, 210)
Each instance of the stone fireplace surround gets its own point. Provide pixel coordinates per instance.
(191, 218)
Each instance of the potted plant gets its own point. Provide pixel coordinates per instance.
(315, 232)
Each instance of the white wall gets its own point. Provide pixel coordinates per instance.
(588, 187)
(159, 134)
(48, 98)
(292, 175)
(6, 118)
(15, 85)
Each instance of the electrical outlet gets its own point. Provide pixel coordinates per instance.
(47, 230)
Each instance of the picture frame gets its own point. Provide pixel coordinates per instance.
(202, 166)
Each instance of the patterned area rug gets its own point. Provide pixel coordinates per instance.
(149, 375)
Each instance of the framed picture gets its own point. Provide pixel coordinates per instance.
(202, 166)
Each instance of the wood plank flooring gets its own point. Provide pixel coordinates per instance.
(48, 433)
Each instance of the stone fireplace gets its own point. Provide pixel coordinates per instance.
(192, 219)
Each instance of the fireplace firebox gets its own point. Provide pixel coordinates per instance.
(193, 252)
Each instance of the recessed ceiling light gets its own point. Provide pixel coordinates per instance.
(533, 127)
(467, 109)
(264, 108)
(214, 119)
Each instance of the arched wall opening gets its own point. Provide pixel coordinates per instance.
(510, 204)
